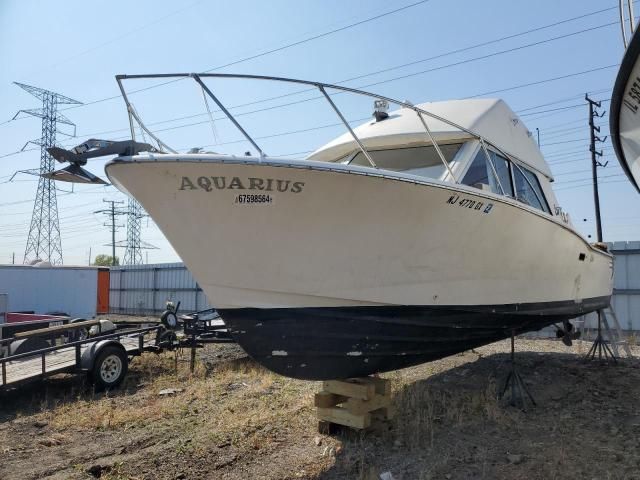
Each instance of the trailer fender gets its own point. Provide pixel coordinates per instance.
(90, 354)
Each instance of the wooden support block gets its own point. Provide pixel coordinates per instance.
(383, 386)
(359, 407)
(353, 403)
(352, 388)
(327, 399)
(342, 416)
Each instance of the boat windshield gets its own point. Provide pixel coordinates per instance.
(423, 160)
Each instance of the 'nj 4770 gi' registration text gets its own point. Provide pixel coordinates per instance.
(253, 198)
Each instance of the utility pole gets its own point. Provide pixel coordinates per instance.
(43, 241)
(593, 114)
(112, 212)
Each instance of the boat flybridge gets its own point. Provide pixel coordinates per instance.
(429, 230)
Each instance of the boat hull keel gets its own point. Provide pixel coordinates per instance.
(329, 343)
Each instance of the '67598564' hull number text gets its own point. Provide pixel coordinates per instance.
(251, 198)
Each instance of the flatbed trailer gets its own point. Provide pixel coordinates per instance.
(41, 352)
(105, 358)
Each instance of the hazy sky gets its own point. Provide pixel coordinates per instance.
(420, 53)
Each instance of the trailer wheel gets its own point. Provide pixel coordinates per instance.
(110, 368)
(169, 320)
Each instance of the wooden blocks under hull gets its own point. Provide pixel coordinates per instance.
(354, 403)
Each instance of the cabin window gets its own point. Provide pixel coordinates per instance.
(528, 188)
(481, 175)
(346, 159)
(501, 165)
(423, 161)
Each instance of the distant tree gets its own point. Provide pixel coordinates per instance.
(105, 261)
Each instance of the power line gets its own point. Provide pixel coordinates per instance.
(538, 82)
(564, 141)
(441, 67)
(471, 47)
(590, 184)
(392, 79)
(565, 131)
(580, 170)
(273, 50)
(125, 34)
(186, 117)
(452, 52)
(571, 152)
(315, 37)
(564, 182)
(581, 159)
(19, 202)
(566, 99)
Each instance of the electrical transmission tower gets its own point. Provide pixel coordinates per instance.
(133, 252)
(44, 241)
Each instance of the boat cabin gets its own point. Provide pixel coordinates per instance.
(484, 143)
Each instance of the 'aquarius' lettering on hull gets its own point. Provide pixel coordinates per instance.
(236, 183)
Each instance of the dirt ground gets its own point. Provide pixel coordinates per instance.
(234, 420)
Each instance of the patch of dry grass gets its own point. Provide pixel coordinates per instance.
(424, 407)
(236, 403)
(232, 417)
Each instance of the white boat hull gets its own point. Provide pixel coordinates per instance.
(349, 239)
(350, 245)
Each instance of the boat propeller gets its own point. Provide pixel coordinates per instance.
(567, 333)
(78, 156)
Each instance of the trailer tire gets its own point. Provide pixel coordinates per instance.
(169, 320)
(110, 368)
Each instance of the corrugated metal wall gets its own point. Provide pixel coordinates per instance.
(626, 284)
(145, 289)
(72, 290)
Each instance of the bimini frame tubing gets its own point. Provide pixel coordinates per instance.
(322, 87)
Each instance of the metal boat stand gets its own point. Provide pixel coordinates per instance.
(600, 345)
(520, 395)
